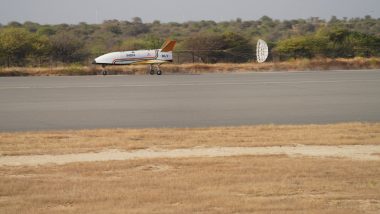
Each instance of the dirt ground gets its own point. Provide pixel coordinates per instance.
(355, 152)
(82, 141)
(258, 169)
(240, 184)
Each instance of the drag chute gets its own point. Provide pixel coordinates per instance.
(261, 51)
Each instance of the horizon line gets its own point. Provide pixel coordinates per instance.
(182, 22)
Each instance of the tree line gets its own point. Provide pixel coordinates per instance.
(33, 44)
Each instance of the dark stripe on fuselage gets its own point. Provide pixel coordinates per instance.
(134, 59)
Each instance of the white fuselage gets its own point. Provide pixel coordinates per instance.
(135, 57)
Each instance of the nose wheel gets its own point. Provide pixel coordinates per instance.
(152, 72)
(104, 71)
(155, 69)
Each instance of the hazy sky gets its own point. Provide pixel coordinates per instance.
(95, 11)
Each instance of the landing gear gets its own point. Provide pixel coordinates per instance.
(155, 69)
(151, 70)
(104, 71)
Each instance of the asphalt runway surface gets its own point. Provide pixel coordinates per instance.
(87, 102)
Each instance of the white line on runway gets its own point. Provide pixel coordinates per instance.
(185, 84)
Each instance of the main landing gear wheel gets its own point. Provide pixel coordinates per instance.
(151, 70)
(155, 69)
(104, 72)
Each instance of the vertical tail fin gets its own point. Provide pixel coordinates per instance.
(168, 46)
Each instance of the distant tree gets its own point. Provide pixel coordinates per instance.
(137, 20)
(113, 26)
(207, 47)
(266, 19)
(134, 44)
(333, 20)
(346, 43)
(330, 43)
(153, 41)
(215, 47)
(14, 24)
(237, 47)
(67, 48)
(15, 45)
(31, 26)
(85, 29)
(135, 29)
(156, 22)
(302, 47)
(299, 37)
(63, 27)
(339, 43)
(46, 30)
(41, 48)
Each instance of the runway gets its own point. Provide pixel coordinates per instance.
(87, 102)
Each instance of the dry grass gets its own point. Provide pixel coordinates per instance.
(272, 184)
(291, 65)
(244, 184)
(61, 142)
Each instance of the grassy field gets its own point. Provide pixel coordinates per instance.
(239, 184)
(197, 68)
(271, 184)
(63, 142)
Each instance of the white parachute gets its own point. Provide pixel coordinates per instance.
(261, 51)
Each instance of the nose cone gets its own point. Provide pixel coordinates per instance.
(106, 58)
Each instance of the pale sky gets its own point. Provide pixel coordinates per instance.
(95, 11)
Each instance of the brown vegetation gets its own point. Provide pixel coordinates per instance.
(243, 184)
(63, 142)
(197, 68)
(32, 44)
(272, 184)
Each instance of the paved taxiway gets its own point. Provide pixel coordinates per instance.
(41, 103)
